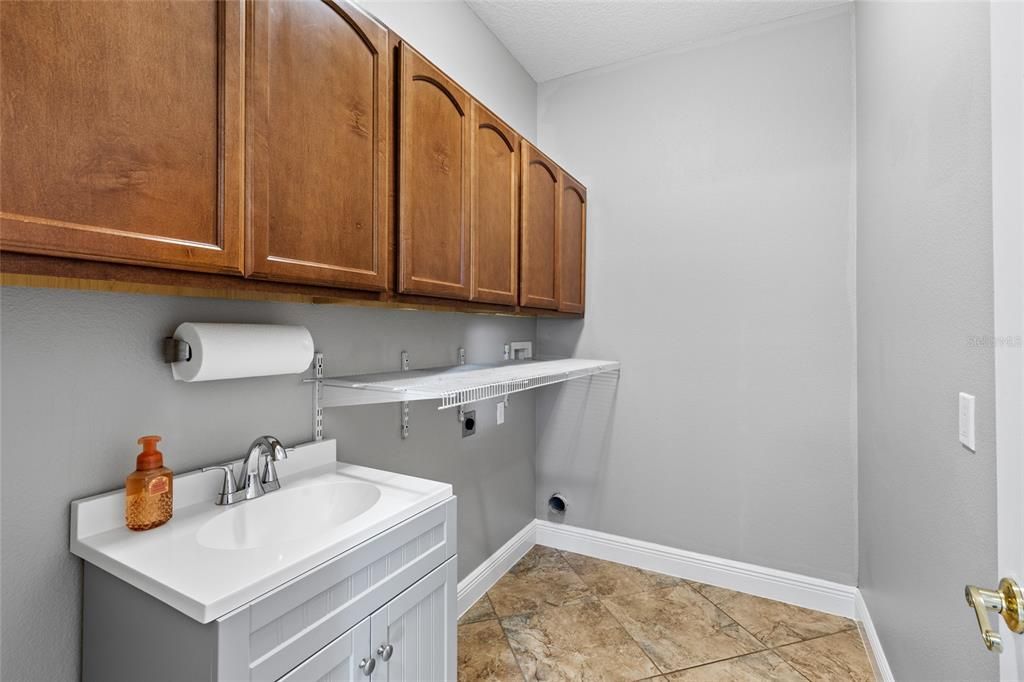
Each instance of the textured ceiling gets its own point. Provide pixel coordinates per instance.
(554, 38)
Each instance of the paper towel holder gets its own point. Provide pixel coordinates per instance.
(176, 350)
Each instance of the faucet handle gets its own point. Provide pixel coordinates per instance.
(227, 486)
(275, 452)
(269, 477)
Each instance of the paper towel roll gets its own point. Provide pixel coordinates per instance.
(232, 351)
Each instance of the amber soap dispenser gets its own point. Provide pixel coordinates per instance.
(149, 490)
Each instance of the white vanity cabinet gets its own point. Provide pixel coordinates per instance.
(411, 638)
(383, 610)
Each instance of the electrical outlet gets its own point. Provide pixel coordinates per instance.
(469, 423)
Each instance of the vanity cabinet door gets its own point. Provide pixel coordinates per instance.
(339, 661)
(539, 237)
(278, 631)
(318, 117)
(414, 634)
(122, 131)
(494, 219)
(572, 245)
(433, 186)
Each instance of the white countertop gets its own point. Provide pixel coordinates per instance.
(170, 564)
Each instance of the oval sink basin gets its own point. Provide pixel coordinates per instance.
(288, 514)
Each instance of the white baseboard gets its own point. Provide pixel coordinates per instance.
(483, 577)
(882, 669)
(793, 588)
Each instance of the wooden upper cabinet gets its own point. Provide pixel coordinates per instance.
(317, 136)
(572, 246)
(433, 186)
(541, 178)
(120, 131)
(494, 219)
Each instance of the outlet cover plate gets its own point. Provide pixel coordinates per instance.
(967, 420)
(469, 423)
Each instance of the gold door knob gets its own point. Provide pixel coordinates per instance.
(1007, 600)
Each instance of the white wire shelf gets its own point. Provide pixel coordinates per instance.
(459, 385)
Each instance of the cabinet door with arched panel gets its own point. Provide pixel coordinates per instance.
(434, 180)
(572, 246)
(541, 196)
(318, 127)
(494, 219)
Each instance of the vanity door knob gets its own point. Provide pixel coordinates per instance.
(385, 651)
(367, 665)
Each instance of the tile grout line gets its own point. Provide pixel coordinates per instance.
(733, 658)
(511, 649)
(811, 639)
(700, 594)
(504, 634)
(768, 648)
(481, 620)
(630, 636)
(765, 646)
(859, 637)
(853, 623)
(600, 601)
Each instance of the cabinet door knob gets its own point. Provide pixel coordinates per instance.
(367, 665)
(385, 651)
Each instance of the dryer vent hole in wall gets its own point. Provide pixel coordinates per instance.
(557, 503)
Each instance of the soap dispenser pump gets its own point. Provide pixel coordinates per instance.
(149, 490)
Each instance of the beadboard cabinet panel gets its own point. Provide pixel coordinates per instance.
(121, 131)
(494, 220)
(338, 661)
(318, 117)
(541, 196)
(572, 246)
(433, 186)
(417, 630)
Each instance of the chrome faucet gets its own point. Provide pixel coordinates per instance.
(250, 483)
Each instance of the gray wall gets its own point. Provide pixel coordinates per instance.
(720, 272)
(924, 256)
(82, 380)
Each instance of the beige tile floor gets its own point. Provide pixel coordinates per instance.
(563, 616)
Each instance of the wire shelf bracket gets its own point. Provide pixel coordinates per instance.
(318, 410)
(404, 427)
